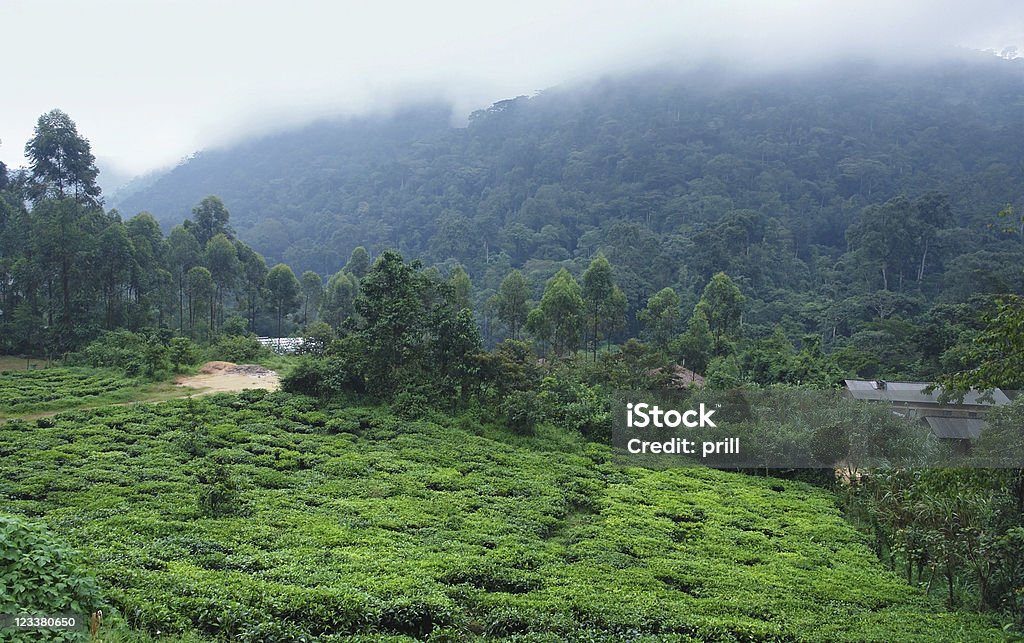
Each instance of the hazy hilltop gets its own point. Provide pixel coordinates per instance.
(556, 176)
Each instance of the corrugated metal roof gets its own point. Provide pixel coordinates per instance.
(913, 393)
(955, 428)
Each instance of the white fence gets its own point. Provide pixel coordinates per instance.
(282, 345)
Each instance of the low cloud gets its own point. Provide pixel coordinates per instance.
(151, 82)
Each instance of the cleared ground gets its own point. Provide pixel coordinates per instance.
(226, 377)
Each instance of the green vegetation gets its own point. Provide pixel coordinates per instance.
(52, 389)
(268, 516)
(42, 575)
(448, 475)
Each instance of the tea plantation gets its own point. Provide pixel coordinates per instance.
(262, 517)
(57, 388)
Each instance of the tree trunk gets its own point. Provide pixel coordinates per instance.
(280, 315)
(181, 303)
(920, 271)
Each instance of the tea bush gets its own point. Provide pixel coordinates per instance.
(54, 388)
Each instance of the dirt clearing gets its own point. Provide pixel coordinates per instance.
(225, 377)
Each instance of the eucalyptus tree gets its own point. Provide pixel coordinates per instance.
(604, 303)
(462, 289)
(358, 263)
(661, 317)
(183, 253)
(513, 302)
(221, 259)
(201, 289)
(61, 164)
(312, 293)
(337, 303)
(210, 217)
(562, 309)
(282, 292)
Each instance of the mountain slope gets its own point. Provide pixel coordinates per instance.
(662, 149)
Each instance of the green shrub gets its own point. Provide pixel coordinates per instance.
(411, 405)
(41, 575)
(218, 492)
(577, 407)
(137, 354)
(521, 410)
(238, 349)
(308, 377)
(182, 351)
(235, 326)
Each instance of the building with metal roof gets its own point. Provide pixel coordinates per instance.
(953, 420)
(955, 428)
(915, 393)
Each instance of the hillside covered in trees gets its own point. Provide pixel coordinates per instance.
(834, 198)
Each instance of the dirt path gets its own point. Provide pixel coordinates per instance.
(225, 377)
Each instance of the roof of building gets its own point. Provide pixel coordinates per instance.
(955, 428)
(914, 393)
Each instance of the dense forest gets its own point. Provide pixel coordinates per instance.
(869, 210)
(842, 201)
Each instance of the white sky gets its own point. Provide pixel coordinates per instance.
(150, 81)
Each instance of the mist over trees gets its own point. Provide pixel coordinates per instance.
(852, 205)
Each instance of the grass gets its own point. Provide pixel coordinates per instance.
(354, 523)
(282, 364)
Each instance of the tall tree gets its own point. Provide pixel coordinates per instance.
(254, 273)
(562, 309)
(358, 263)
(661, 317)
(462, 289)
(721, 306)
(312, 293)
(221, 259)
(182, 255)
(61, 163)
(338, 299)
(114, 264)
(513, 302)
(604, 302)
(283, 292)
(149, 267)
(201, 290)
(64, 232)
(881, 241)
(391, 304)
(210, 217)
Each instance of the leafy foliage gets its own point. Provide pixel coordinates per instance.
(39, 574)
